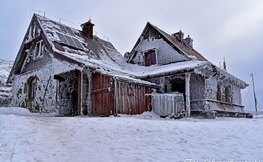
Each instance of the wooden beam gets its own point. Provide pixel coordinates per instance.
(187, 94)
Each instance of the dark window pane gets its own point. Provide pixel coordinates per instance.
(153, 57)
(147, 59)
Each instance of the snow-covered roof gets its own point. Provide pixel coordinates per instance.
(175, 43)
(69, 42)
(180, 45)
(72, 45)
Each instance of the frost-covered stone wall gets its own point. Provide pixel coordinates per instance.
(45, 90)
(222, 94)
(197, 92)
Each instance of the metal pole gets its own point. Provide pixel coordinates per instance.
(254, 92)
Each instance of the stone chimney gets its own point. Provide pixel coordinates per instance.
(87, 28)
(189, 42)
(179, 35)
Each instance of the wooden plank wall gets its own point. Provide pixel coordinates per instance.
(131, 99)
(102, 95)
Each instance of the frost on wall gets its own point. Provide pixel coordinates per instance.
(164, 52)
(167, 104)
(197, 92)
(223, 94)
(44, 92)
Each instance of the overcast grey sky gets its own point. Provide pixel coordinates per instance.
(231, 29)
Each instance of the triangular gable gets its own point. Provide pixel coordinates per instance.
(84, 48)
(178, 46)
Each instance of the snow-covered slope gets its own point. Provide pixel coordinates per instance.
(5, 68)
(5, 90)
(143, 137)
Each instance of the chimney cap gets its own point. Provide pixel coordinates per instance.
(179, 35)
(87, 28)
(88, 23)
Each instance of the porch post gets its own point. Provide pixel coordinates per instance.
(81, 94)
(89, 104)
(187, 94)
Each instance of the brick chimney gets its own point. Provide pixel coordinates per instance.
(179, 35)
(87, 28)
(189, 42)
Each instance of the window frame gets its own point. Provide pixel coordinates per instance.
(39, 49)
(150, 59)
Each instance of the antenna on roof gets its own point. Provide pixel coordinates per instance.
(224, 64)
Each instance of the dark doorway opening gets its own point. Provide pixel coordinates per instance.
(68, 93)
(178, 85)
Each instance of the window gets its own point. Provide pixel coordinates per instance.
(150, 58)
(32, 87)
(39, 49)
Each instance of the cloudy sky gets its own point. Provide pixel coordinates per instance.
(231, 29)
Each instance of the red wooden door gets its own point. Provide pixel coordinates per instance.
(102, 95)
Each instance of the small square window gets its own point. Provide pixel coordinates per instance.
(150, 58)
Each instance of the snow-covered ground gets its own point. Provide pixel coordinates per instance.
(41, 137)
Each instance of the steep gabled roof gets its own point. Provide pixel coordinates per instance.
(176, 44)
(77, 42)
(68, 44)
(182, 46)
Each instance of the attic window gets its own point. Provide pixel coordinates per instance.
(39, 51)
(32, 87)
(150, 58)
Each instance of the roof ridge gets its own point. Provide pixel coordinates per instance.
(172, 40)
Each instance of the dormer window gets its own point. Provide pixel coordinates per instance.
(39, 52)
(150, 58)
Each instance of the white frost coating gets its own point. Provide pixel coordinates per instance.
(45, 90)
(5, 68)
(167, 104)
(50, 28)
(106, 60)
(62, 66)
(187, 94)
(166, 53)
